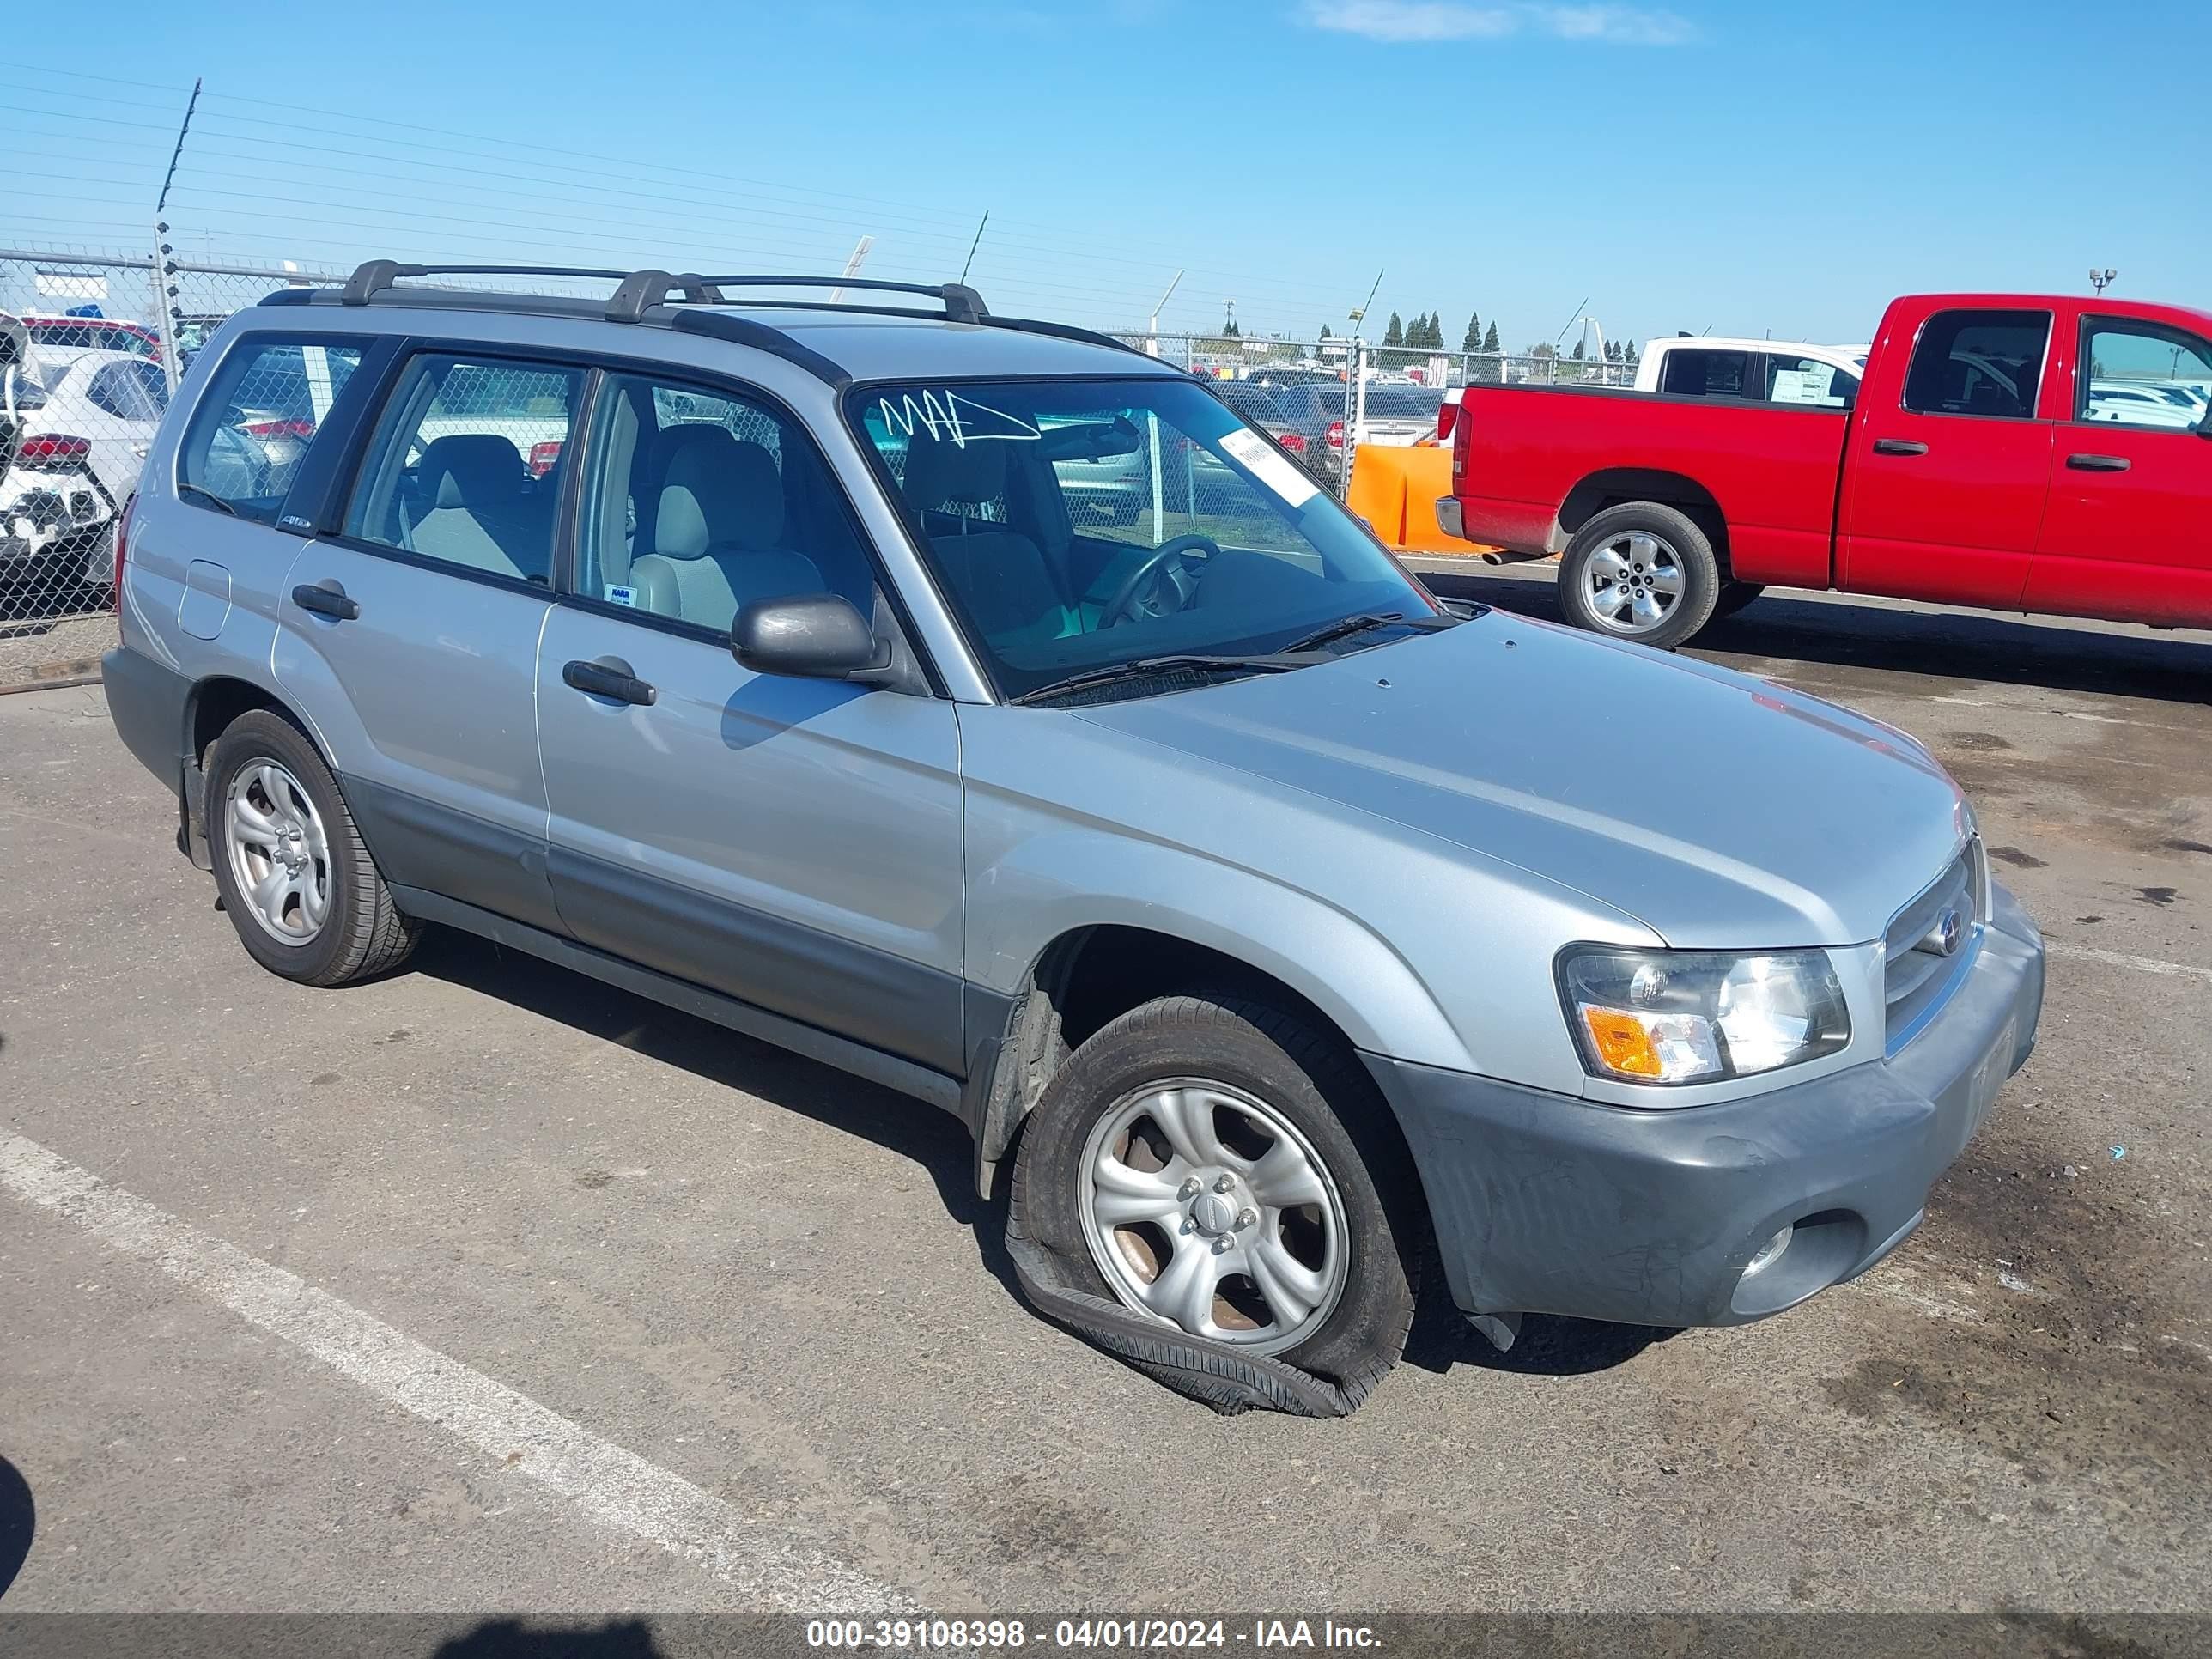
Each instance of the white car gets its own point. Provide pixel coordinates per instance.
(82, 421)
(1760, 371)
(2135, 402)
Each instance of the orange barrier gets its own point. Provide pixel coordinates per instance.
(1395, 490)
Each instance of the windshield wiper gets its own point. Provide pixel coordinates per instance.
(208, 497)
(1359, 624)
(1146, 667)
(1345, 629)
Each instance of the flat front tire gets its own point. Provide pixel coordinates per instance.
(297, 880)
(1641, 571)
(1216, 1165)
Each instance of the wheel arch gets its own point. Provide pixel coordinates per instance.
(1089, 973)
(1620, 486)
(209, 708)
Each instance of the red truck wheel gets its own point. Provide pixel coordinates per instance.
(1640, 572)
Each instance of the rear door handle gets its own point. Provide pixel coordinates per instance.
(325, 601)
(609, 679)
(1900, 446)
(2098, 463)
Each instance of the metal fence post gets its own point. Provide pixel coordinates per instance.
(1355, 408)
(165, 313)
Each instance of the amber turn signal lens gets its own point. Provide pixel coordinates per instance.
(1622, 1042)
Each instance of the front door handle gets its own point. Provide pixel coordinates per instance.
(2098, 463)
(325, 600)
(609, 678)
(1900, 446)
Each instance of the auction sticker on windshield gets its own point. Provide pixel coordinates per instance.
(1270, 466)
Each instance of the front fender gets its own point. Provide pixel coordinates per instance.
(1042, 886)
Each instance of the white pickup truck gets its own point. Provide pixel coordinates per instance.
(1755, 371)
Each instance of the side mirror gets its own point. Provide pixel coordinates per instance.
(815, 637)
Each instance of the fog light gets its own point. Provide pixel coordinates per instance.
(1771, 1252)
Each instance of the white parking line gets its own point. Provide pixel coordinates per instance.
(770, 1570)
(2121, 959)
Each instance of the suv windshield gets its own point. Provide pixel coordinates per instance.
(1079, 526)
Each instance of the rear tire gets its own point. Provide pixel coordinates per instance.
(296, 877)
(1328, 1284)
(1642, 571)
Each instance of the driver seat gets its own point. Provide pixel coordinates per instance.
(960, 492)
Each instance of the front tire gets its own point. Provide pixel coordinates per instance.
(1216, 1165)
(296, 877)
(1642, 571)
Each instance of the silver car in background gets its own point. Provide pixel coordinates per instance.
(1263, 920)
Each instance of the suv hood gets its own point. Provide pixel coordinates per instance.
(1721, 810)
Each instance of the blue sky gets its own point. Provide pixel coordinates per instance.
(1748, 167)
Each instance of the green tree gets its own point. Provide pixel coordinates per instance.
(1472, 341)
(1325, 334)
(1433, 336)
(1628, 353)
(1490, 338)
(1395, 334)
(1578, 351)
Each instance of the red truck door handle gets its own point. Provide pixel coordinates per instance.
(2098, 463)
(1899, 446)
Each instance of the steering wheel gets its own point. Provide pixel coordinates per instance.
(1163, 571)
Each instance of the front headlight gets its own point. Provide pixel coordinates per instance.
(1665, 1017)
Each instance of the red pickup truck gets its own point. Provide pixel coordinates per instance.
(2020, 452)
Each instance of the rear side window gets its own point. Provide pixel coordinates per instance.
(1808, 380)
(466, 467)
(122, 390)
(1699, 373)
(1979, 363)
(253, 425)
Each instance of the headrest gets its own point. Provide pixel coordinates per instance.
(715, 489)
(471, 469)
(942, 475)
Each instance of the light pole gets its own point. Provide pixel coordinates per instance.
(2100, 280)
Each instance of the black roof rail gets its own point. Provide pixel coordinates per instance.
(746, 332)
(373, 276)
(1070, 331)
(961, 303)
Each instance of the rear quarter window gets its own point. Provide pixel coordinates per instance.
(256, 421)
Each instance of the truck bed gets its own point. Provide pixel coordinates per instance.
(1769, 471)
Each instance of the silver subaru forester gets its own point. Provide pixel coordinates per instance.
(980, 705)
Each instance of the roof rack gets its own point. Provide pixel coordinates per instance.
(642, 289)
(636, 292)
(373, 276)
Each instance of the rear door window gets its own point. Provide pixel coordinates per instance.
(1698, 372)
(1979, 363)
(466, 467)
(256, 421)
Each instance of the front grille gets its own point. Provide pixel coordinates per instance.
(1917, 976)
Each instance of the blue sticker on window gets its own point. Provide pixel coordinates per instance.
(617, 594)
